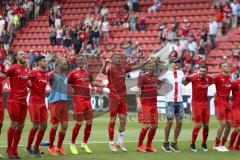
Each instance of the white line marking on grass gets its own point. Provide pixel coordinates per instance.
(98, 142)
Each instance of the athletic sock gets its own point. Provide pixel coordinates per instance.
(75, 132)
(237, 145)
(142, 135)
(10, 138)
(39, 139)
(52, 135)
(16, 139)
(151, 135)
(224, 140)
(31, 137)
(217, 142)
(233, 138)
(205, 135)
(60, 139)
(120, 137)
(87, 132)
(195, 132)
(111, 131)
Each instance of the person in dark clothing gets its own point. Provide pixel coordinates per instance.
(77, 44)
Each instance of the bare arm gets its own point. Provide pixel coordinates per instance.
(161, 69)
(139, 104)
(104, 68)
(185, 82)
(140, 65)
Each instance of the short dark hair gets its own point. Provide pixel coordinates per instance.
(204, 66)
(39, 58)
(220, 64)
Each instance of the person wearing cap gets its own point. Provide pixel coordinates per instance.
(116, 73)
(174, 101)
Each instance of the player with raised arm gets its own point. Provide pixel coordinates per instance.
(38, 78)
(148, 85)
(235, 122)
(81, 81)
(57, 101)
(116, 73)
(16, 102)
(223, 113)
(200, 106)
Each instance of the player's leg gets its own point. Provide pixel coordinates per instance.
(88, 116)
(121, 131)
(141, 138)
(234, 135)
(1, 122)
(237, 145)
(205, 136)
(179, 113)
(195, 132)
(31, 137)
(220, 129)
(152, 131)
(41, 130)
(170, 117)
(63, 117)
(221, 117)
(227, 127)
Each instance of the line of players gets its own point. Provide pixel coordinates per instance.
(61, 81)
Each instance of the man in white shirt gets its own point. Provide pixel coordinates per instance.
(213, 26)
(2, 25)
(174, 108)
(235, 7)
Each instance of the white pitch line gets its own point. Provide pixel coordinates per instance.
(98, 142)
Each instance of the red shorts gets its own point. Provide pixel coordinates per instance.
(38, 112)
(222, 110)
(17, 110)
(235, 116)
(1, 111)
(117, 105)
(82, 109)
(58, 112)
(148, 115)
(200, 114)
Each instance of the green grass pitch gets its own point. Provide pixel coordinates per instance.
(98, 142)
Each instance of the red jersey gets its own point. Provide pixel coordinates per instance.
(39, 80)
(148, 84)
(236, 93)
(18, 76)
(116, 80)
(2, 70)
(199, 89)
(80, 80)
(223, 87)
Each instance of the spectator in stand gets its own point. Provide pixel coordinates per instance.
(2, 25)
(119, 18)
(130, 5)
(6, 42)
(202, 48)
(104, 12)
(142, 22)
(67, 42)
(135, 5)
(96, 36)
(10, 27)
(2, 54)
(37, 8)
(213, 27)
(219, 19)
(185, 28)
(77, 43)
(192, 45)
(235, 12)
(133, 22)
(227, 15)
(163, 33)
(125, 21)
(155, 7)
(59, 35)
(204, 35)
(16, 21)
(32, 59)
(58, 21)
(105, 29)
(52, 35)
(128, 47)
(51, 19)
(173, 34)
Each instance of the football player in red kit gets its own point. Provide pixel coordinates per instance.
(116, 73)
(16, 102)
(223, 113)
(200, 107)
(148, 85)
(235, 115)
(81, 81)
(38, 79)
(2, 77)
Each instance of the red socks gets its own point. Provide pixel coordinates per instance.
(233, 138)
(31, 137)
(10, 138)
(142, 136)
(217, 142)
(16, 139)
(195, 134)
(60, 139)
(75, 132)
(40, 136)
(151, 135)
(224, 140)
(205, 135)
(87, 132)
(52, 135)
(237, 146)
(111, 131)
